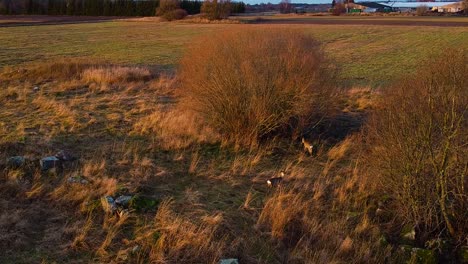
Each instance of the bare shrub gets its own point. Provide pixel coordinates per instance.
(251, 84)
(418, 146)
(216, 9)
(338, 9)
(170, 10)
(422, 10)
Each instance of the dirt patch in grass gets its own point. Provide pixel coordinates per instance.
(36, 20)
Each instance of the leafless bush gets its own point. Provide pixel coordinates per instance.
(216, 9)
(421, 10)
(250, 84)
(418, 139)
(338, 9)
(170, 10)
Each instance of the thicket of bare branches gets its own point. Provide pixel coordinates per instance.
(170, 10)
(255, 83)
(419, 152)
(216, 9)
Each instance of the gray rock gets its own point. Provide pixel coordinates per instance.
(36, 88)
(135, 249)
(52, 162)
(16, 161)
(123, 200)
(77, 179)
(108, 204)
(64, 155)
(229, 261)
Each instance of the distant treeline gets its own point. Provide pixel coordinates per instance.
(98, 7)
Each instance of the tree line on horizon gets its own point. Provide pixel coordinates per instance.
(99, 7)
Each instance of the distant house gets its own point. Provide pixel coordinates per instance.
(449, 8)
(434, 6)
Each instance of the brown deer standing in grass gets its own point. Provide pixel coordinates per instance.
(309, 147)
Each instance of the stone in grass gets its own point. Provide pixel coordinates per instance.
(108, 204)
(77, 179)
(16, 161)
(229, 261)
(123, 200)
(64, 155)
(49, 163)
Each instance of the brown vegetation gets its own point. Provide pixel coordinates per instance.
(253, 84)
(338, 9)
(422, 10)
(418, 147)
(170, 10)
(135, 131)
(216, 9)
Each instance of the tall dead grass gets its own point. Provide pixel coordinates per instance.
(251, 84)
(175, 128)
(326, 219)
(107, 76)
(173, 238)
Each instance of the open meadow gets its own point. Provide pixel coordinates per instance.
(137, 112)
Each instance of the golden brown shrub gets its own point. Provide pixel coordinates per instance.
(254, 83)
(418, 146)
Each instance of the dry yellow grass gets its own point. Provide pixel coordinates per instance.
(132, 136)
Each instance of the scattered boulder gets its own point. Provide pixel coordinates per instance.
(65, 156)
(108, 204)
(135, 249)
(125, 203)
(77, 179)
(52, 162)
(16, 161)
(229, 261)
(123, 200)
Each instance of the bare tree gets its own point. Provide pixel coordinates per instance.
(285, 6)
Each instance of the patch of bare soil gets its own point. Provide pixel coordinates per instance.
(33, 20)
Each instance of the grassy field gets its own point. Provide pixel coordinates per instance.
(367, 55)
(109, 94)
